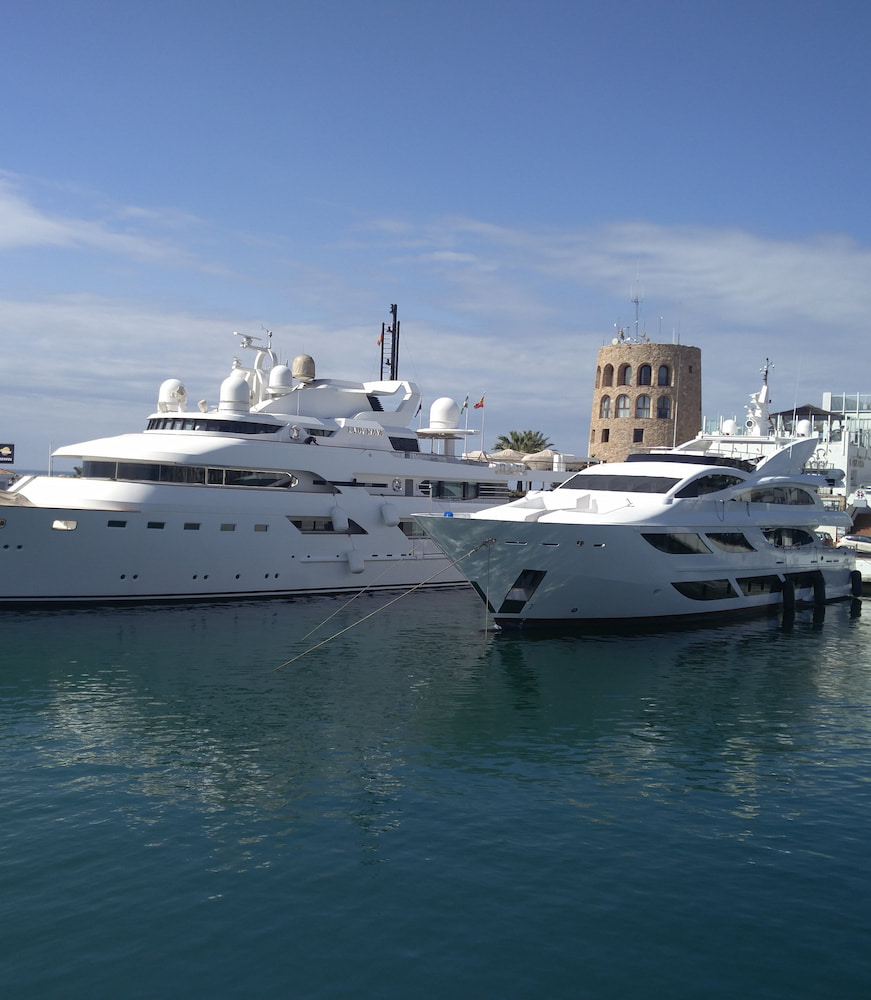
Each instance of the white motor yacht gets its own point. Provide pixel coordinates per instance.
(291, 484)
(663, 537)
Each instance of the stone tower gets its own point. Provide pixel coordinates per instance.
(646, 396)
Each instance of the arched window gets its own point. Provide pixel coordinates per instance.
(645, 374)
(642, 407)
(663, 408)
(622, 406)
(608, 375)
(663, 376)
(605, 408)
(625, 375)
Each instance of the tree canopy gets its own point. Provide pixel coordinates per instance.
(525, 441)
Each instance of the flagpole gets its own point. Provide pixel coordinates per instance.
(483, 416)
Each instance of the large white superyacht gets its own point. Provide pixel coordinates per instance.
(292, 484)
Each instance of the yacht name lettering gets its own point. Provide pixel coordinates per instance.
(372, 431)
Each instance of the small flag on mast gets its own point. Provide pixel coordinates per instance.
(381, 338)
(480, 404)
(465, 405)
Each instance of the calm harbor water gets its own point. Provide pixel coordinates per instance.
(424, 808)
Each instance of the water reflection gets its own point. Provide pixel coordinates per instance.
(167, 717)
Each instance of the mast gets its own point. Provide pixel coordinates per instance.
(389, 341)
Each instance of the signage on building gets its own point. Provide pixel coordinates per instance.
(7, 454)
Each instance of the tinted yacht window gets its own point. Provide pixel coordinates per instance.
(620, 483)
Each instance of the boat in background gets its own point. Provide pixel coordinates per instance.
(661, 538)
(292, 484)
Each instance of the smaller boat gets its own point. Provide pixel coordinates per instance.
(860, 543)
(666, 537)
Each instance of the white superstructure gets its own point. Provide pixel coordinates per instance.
(292, 484)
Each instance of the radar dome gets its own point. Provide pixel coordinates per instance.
(280, 378)
(304, 368)
(444, 413)
(235, 395)
(804, 428)
(730, 427)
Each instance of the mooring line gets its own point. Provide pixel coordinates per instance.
(349, 602)
(383, 607)
(359, 593)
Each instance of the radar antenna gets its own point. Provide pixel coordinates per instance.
(248, 339)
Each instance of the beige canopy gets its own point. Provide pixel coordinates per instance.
(540, 460)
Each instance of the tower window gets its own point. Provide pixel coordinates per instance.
(605, 408)
(622, 406)
(663, 376)
(645, 374)
(663, 408)
(642, 407)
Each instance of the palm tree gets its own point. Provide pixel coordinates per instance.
(525, 441)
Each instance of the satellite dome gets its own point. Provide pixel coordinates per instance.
(804, 428)
(235, 395)
(280, 378)
(444, 413)
(304, 368)
(730, 427)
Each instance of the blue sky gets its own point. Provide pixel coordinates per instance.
(510, 173)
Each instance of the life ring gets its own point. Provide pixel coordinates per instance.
(397, 485)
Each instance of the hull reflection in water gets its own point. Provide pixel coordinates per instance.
(421, 788)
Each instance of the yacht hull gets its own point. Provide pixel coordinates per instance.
(175, 552)
(607, 574)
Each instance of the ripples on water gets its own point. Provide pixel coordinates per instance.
(424, 808)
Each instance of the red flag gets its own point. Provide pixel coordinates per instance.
(381, 338)
(480, 404)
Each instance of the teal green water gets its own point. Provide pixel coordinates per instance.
(424, 808)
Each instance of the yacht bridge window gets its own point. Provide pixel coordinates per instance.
(620, 483)
(196, 475)
(214, 426)
(712, 482)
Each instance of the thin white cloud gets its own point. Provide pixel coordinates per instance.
(518, 313)
(22, 225)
